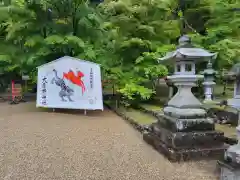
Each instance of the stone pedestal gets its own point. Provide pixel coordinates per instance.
(184, 132)
(185, 139)
(231, 166)
(229, 171)
(234, 102)
(208, 91)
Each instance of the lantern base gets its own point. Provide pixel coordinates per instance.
(185, 112)
(235, 102)
(232, 154)
(185, 124)
(229, 171)
(181, 139)
(196, 141)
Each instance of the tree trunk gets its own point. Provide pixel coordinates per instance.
(224, 88)
(74, 25)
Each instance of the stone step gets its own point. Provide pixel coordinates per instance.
(186, 125)
(184, 154)
(187, 140)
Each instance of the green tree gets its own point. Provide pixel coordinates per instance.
(36, 32)
(125, 36)
(139, 32)
(222, 32)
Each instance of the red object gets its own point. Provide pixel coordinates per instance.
(16, 92)
(13, 90)
(75, 79)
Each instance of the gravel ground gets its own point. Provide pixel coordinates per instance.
(38, 145)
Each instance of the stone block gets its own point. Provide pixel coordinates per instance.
(229, 171)
(188, 139)
(184, 145)
(184, 154)
(185, 125)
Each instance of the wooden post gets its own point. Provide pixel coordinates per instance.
(13, 101)
(26, 86)
(13, 90)
(85, 112)
(113, 90)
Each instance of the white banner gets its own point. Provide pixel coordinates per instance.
(70, 83)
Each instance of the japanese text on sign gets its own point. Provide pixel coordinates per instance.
(44, 91)
(91, 78)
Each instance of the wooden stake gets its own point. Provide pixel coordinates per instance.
(116, 104)
(13, 91)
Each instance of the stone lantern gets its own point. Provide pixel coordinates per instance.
(209, 75)
(185, 58)
(235, 74)
(230, 166)
(183, 131)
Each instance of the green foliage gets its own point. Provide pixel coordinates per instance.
(137, 31)
(222, 32)
(131, 90)
(35, 32)
(125, 36)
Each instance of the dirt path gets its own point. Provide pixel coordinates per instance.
(56, 146)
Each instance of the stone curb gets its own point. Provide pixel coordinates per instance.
(230, 141)
(227, 140)
(231, 116)
(131, 121)
(150, 112)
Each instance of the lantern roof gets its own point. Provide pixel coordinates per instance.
(186, 51)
